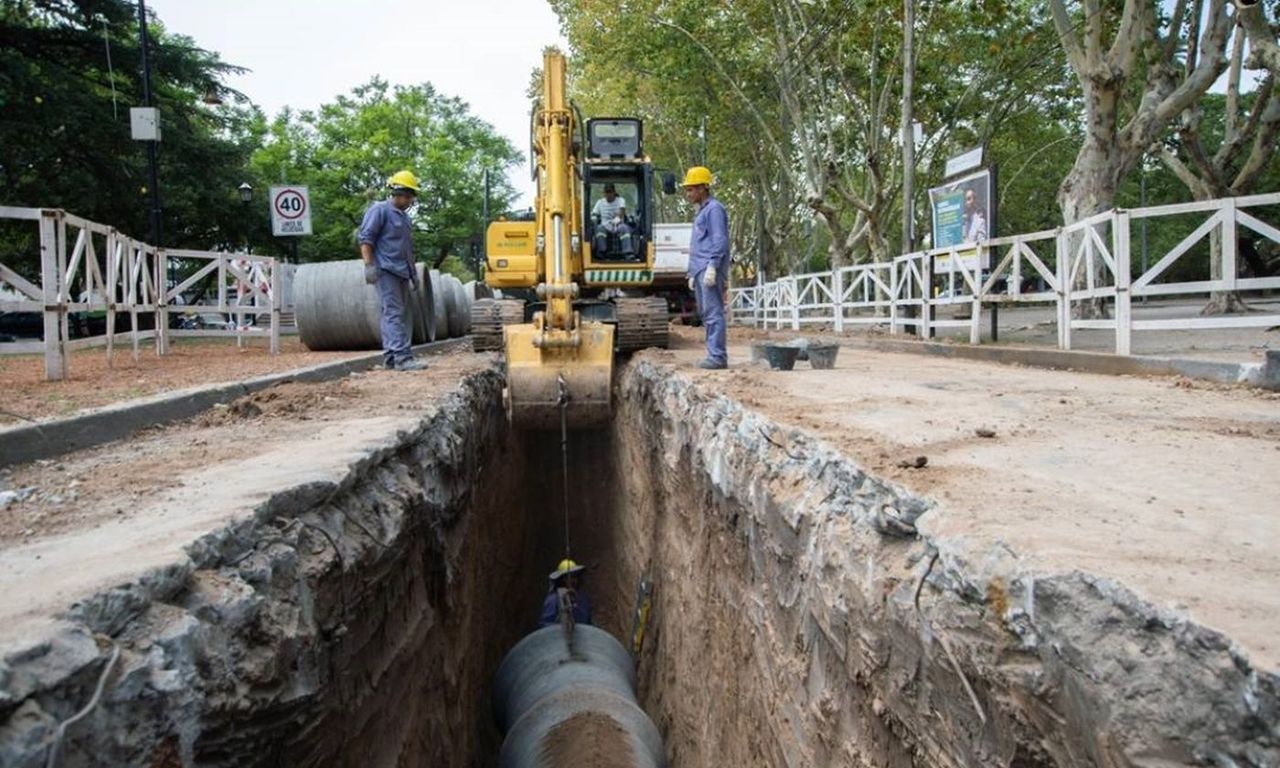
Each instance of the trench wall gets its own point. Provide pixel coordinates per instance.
(350, 623)
(798, 620)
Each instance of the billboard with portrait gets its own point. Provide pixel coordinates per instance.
(963, 212)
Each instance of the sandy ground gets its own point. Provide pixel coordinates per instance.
(1034, 326)
(100, 516)
(93, 383)
(1166, 485)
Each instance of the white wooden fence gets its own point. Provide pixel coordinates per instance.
(1091, 259)
(89, 267)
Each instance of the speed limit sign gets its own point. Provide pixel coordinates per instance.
(290, 211)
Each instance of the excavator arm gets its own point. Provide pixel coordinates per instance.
(559, 367)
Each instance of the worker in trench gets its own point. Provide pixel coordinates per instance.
(386, 245)
(709, 263)
(566, 596)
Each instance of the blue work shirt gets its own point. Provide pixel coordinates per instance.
(551, 609)
(389, 231)
(709, 243)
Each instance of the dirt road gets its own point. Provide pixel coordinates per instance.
(1165, 485)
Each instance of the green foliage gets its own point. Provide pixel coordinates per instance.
(65, 139)
(345, 151)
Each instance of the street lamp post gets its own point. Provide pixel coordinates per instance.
(152, 161)
(246, 196)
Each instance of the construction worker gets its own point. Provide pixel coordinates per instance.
(708, 262)
(386, 245)
(566, 585)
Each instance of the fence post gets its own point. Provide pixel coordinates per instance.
(1124, 300)
(161, 263)
(795, 304)
(893, 298)
(1230, 271)
(926, 296)
(837, 299)
(55, 360)
(277, 298)
(1061, 245)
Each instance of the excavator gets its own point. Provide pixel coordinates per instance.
(593, 284)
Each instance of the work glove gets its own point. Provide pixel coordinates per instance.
(691, 285)
(371, 273)
(709, 277)
(413, 279)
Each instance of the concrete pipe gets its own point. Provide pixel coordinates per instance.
(334, 307)
(440, 309)
(477, 290)
(550, 702)
(337, 310)
(424, 309)
(464, 300)
(454, 305)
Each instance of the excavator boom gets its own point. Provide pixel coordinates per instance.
(559, 367)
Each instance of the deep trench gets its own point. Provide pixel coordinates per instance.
(360, 624)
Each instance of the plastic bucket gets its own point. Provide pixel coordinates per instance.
(823, 356)
(781, 357)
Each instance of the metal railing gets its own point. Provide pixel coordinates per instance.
(1088, 261)
(86, 267)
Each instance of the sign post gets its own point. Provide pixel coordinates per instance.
(290, 211)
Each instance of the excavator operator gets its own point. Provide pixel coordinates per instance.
(566, 591)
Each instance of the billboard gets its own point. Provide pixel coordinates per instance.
(963, 213)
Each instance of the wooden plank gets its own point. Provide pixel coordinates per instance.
(1097, 325)
(1207, 323)
(1187, 243)
(19, 283)
(54, 362)
(19, 213)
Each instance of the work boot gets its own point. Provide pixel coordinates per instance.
(712, 365)
(411, 364)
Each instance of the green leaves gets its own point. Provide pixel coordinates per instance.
(345, 150)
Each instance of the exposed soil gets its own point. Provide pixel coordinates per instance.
(94, 383)
(588, 740)
(1165, 484)
(110, 484)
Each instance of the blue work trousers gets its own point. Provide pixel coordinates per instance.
(393, 297)
(711, 311)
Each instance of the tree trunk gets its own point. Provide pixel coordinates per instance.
(1221, 302)
(1090, 188)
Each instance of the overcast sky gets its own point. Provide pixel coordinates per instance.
(303, 53)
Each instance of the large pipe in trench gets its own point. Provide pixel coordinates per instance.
(557, 700)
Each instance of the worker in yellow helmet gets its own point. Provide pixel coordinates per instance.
(708, 262)
(386, 245)
(566, 587)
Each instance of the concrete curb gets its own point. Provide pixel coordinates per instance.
(42, 440)
(1266, 376)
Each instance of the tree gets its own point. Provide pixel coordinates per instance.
(65, 139)
(345, 150)
(1126, 61)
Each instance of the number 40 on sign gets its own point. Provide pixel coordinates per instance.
(290, 211)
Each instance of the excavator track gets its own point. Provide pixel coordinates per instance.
(488, 316)
(642, 323)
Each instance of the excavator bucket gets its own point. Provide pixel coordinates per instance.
(534, 376)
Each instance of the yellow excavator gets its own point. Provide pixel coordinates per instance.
(592, 280)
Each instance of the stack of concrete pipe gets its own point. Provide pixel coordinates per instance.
(548, 684)
(337, 310)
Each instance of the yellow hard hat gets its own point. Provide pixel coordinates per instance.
(403, 180)
(565, 568)
(697, 176)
